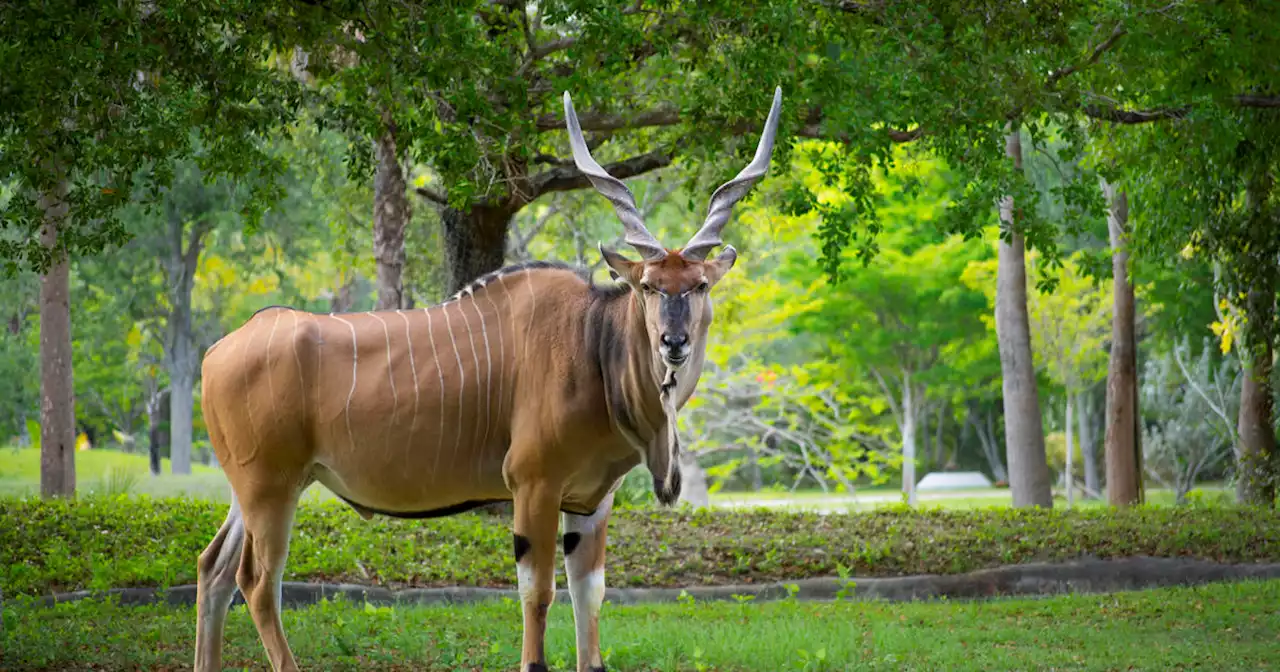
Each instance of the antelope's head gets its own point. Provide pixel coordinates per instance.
(674, 286)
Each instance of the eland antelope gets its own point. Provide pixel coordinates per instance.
(532, 385)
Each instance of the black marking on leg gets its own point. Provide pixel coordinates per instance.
(537, 667)
(598, 669)
(522, 546)
(571, 540)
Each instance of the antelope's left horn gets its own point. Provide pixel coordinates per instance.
(729, 193)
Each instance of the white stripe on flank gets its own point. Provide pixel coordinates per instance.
(270, 385)
(297, 360)
(248, 408)
(533, 312)
(502, 348)
(462, 384)
(476, 359)
(355, 361)
(435, 358)
(488, 385)
(413, 370)
(395, 398)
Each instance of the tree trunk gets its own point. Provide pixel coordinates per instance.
(1086, 444)
(939, 446)
(1070, 475)
(1123, 459)
(153, 436)
(908, 439)
(693, 480)
(1024, 429)
(57, 382)
(475, 242)
(390, 214)
(181, 358)
(990, 448)
(1256, 471)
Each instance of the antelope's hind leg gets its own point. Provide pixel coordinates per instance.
(268, 520)
(584, 548)
(215, 586)
(537, 519)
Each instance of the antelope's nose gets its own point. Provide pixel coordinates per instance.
(675, 341)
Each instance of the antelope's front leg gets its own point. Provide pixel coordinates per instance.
(537, 517)
(584, 542)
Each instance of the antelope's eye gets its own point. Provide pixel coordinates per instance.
(703, 286)
(646, 288)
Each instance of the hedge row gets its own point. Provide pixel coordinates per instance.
(54, 546)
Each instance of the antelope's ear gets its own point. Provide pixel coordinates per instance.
(619, 266)
(724, 261)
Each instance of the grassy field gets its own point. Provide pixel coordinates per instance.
(1215, 627)
(111, 472)
(101, 542)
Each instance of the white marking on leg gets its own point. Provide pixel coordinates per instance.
(355, 362)
(435, 359)
(413, 370)
(524, 578)
(502, 348)
(395, 398)
(586, 593)
(462, 385)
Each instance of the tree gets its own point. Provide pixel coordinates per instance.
(104, 92)
(1124, 440)
(1198, 145)
(901, 318)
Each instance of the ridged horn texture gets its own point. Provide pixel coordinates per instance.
(624, 203)
(729, 193)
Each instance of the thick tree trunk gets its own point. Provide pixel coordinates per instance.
(1123, 457)
(181, 358)
(1086, 444)
(57, 390)
(390, 214)
(1024, 429)
(475, 242)
(908, 439)
(1256, 471)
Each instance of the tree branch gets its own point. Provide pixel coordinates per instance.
(431, 195)
(567, 178)
(1097, 53)
(813, 129)
(597, 121)
(1118, 116)
(1257, 101)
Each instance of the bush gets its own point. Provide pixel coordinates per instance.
(105, 542)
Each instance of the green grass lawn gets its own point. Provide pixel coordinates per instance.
(111, 472)
(1214, 627)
